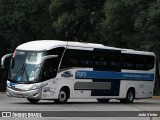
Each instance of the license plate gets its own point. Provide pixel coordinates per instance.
(19, 95)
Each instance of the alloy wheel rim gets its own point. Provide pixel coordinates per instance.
(130, 96)
(62, 96)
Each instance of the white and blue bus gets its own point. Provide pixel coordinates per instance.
(59, 70)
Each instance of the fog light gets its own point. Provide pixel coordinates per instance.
(35, 94)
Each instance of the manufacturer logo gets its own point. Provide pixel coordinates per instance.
(67, 74)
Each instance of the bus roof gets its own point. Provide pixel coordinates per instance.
(43, 45)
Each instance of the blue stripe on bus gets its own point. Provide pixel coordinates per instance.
(113, 75)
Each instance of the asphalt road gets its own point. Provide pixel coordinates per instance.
(21, 104)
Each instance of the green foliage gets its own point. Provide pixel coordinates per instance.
(132, 24)
(77, 20)
(118, 24)
(148, 25)
(23, 20)
(123, 23)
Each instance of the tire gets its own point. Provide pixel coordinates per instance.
(103, 100)
(129, 97)
(63, 96)
(33, 101)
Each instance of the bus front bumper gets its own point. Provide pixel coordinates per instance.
(34, 94)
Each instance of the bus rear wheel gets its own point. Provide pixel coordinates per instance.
(63, 96)
(103, 100)
(129, 97)
(33, 101)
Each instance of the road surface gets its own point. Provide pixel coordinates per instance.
(86, 105)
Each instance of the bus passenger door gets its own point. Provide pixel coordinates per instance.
(49, 74)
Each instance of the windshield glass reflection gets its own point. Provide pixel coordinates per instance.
(25, 66)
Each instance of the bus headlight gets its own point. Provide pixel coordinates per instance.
(33, 87)
(8, 84)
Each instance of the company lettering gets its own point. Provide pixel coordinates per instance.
(81, 74)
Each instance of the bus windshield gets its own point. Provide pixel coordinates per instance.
(25, 66)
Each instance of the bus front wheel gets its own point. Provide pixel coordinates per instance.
(33, 101)
(63, 96)
(103, 100)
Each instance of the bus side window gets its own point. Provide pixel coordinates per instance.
(70, 59)
(85, 58)
(107, 60)
(150, 62)
(128, 61)
(137, 62)
(50, 69)
(77, 58)
(114, 60)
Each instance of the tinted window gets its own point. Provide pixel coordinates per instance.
(128, 61)
(57, 51)
(50, 69)
(137, 62)
(150, 60)
(77, 58)
(85, 58)
(107, 59)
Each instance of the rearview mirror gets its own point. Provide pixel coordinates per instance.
(4, 59)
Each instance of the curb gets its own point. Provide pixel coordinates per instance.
(2, 92)
(157, 97)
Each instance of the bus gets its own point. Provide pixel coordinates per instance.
(59, 70)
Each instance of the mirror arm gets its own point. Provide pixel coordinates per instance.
(4, 58)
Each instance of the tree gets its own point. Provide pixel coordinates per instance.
(77, 20)
(120, 23)
(133, 24)
(148, 25)
(23, 21)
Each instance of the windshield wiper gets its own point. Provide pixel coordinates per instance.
(21, 71)
(24, 71)
(18, 72)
